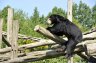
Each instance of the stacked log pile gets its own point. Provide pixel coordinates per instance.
(89, 39)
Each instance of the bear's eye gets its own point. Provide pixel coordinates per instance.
(49, 21)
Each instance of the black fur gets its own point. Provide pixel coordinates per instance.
(62, 26)
(92, 60)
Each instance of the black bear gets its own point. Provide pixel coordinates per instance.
(62, 26)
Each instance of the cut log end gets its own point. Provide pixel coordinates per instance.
(37, 27)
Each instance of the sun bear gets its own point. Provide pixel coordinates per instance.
(62, 26)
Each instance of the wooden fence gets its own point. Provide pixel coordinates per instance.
(12, 54)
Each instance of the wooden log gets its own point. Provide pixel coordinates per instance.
(90, 36)
(43, 42)
(15, 38)
(69, 10)
(57, 39)
(91, 46)
(83, 56)
(25, 37)
(6, 41)
(36, 44)
(32, 57)
(6, 57)
(12, 32)
(10, 28)
(39, 55)
(27, 46)
(91, 50)
(9, 24)
(48, 34)
(1, 24)
(47, 42)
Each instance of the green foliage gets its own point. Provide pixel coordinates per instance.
(82, 28)
(60, 59)
(59, 11)
(22, 18)
(4, 14)
(94, 15)
(53, 60)
(83, 14)
(35, 17)
(75, 10)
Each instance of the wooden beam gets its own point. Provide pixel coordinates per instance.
(9, 24)
(28, 46)
(48, 34)
(6, 41)
(59, 40)
(10, 29)
(36, 44)
(37, 55)
(15, 38)
(86, 39)
(69, 10)
(40, 55)
(1, 24)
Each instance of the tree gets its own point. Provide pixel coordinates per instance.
(94, 15)
(4, 14)
(75, 10)
(42, 19)
(35, 16)
(59, 11)
(22, 18)
(84, 15)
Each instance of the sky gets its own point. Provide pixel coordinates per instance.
(44, 6)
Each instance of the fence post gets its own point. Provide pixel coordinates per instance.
(9, 24)
(1, 24)
(9, 27)
(15, 37)
(69, 16)
(69, 10)
(12, 33)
